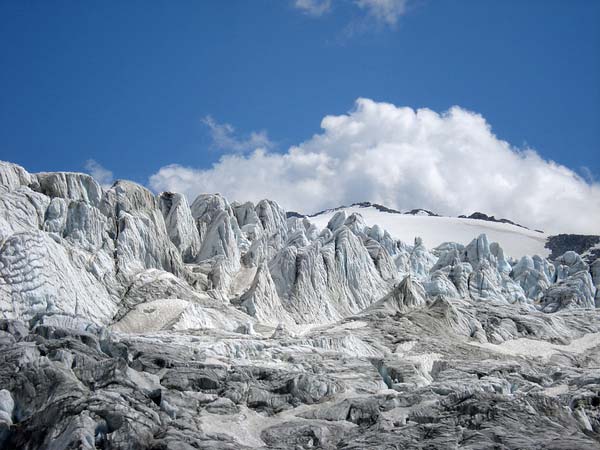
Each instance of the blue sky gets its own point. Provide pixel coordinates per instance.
(115, 81)
(130, 84)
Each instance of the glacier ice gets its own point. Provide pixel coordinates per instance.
(135, 320)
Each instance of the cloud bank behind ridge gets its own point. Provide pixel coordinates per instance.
(450, 163)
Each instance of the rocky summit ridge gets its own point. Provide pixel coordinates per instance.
(132, 320)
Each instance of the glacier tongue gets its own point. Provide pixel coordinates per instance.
(134, 320)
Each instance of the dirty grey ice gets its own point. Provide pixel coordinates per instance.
(140, 321)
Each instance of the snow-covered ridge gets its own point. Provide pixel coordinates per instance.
(434, 230)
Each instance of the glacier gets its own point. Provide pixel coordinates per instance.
(135, 320)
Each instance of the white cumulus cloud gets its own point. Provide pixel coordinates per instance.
(101, 174)
(450, 163)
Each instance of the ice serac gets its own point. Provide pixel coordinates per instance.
(248, 220)
(407, 295)
(262, 301)
(355, 223)
(22, 209)
(274, 223)
(490, 278)
(205, 210)
(479, 250)
(575, 291)
(7, 406)
(569, 264)
(154, 284)
(142, 241)
(221, 239)
(327, 279)
(574, 288)
(220, 247)
(70, 186)
(383, 261)
(337, 220)
(534, 274)
(84, 242)
(384, 239)
(39, 275)
(595, 271)
(302, 224)
(420, 259)
(266, 228)
(440, 284)
(54, 253)
(180, 224)
(13, 176)
(272, 218)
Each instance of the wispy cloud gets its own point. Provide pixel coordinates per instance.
(224, 137)
(386, 12)
(314, 8)
(587, 174)
(379, 12)
(101, 174)
(448, 162)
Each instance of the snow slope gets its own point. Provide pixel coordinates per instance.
(516, 241)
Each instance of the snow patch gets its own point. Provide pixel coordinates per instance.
(534, 348)
(434, 230)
